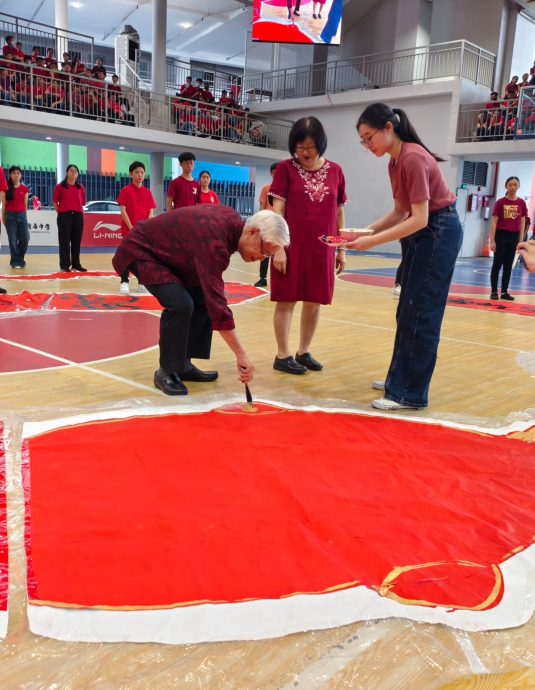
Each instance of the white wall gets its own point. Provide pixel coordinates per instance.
(524, 48)
(478, 21)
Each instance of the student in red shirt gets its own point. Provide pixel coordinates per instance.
(3, 188)
(265, 205)
(187, 90)
(14, 207)
(207, 196)
(68, 200)
(506, 231)
(183, 190)
(137, 203)
(424, 211)
(9, 46)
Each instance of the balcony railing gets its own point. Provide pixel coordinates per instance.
(43, 36)
(498, 120)
(456, 59)
(49, 90)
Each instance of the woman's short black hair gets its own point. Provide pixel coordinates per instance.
(307, 127)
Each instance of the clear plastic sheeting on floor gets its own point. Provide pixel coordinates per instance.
(393, 653)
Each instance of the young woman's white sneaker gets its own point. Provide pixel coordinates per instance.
(124, 289)
(385, 404)
(142, 290)
(396, 291)
(378, 385)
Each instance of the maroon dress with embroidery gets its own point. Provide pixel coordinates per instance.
(312, 199)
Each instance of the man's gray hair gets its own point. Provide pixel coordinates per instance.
(273, 228)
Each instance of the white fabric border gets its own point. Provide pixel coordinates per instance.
(3, 623)
(262, 619)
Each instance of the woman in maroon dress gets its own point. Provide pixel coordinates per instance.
(309, 191)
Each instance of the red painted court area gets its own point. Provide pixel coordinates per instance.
(33, 341)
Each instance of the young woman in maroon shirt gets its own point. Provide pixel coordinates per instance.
(14, 207)
(68, 200)
(423, 212)
(506, 231)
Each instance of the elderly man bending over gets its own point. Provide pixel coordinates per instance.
(180, 257)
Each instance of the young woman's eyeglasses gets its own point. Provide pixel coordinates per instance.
(368, 142)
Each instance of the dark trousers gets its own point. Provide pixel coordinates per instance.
(504, 256)
(404, 248)
(70, 229)
(297, 5)
(185, 328)
(427, 273)
(264, 267)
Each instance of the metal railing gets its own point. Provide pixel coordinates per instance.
(455, 59)
(498, 120)
(53, 91)
(43, 36)
(177, 71)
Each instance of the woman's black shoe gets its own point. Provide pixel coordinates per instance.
(308, 361)
(80, 268)
(170, 384)
(296, 14)
(506, 296)
(288, 365)
(319, 16)
(3, 291)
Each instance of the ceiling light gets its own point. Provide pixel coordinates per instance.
(238, 163)
(185, 25)
(121, 148)
(48, 138)
(76, 5)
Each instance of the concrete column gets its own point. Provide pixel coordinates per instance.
(61, 21)
(62, 160)
(159, 32)
(156, 181)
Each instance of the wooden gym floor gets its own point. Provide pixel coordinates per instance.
(485, 374)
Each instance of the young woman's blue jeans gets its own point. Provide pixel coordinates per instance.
(18, 236)
(427, 273)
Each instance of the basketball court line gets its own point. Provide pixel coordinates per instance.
(83, 367)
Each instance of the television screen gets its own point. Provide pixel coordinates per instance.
(297, 21)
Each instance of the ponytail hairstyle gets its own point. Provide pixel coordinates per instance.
(10, 187)
(64, 181)
(377, 115)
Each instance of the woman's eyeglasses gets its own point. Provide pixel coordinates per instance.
(368, 142)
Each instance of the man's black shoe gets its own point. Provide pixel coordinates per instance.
(195, 374)
(308, 361)
(288, 365)
(170, 384)
(3, 291)
(507, 297)
(261, 283)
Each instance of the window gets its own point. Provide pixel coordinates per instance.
(475, 173)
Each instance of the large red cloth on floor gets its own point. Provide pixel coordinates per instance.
(3, 525)
(62, 301)
(226, 507)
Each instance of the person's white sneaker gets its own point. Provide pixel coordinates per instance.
(385, 404)
(396, 291)
(378, 385)
(124, 289)
(142, 290)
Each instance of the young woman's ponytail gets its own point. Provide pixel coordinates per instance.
(377, 115)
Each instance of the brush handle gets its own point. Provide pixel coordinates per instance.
(248, 395)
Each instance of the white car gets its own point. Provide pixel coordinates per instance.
(102, 207)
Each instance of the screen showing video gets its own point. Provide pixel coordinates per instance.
(297, 21)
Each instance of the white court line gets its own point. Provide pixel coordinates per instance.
(84, 367)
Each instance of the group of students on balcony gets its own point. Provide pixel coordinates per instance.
(35, 81)
(502, 118)
(196, 111)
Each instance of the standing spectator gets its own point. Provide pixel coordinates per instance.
(207, 196)
(98, 67)
(264, 201)
(187, 90)
(512, 89)
(34, 54)
(3, 188)
(14, 208)
(506, 231)
(309, 192)
(68, 200)
(77, 66)
(183, 190)
(525, 81)
(9, 46)
(137, 203)
(18, 53)
(49, 57)
(424, 212)
(235, 89)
